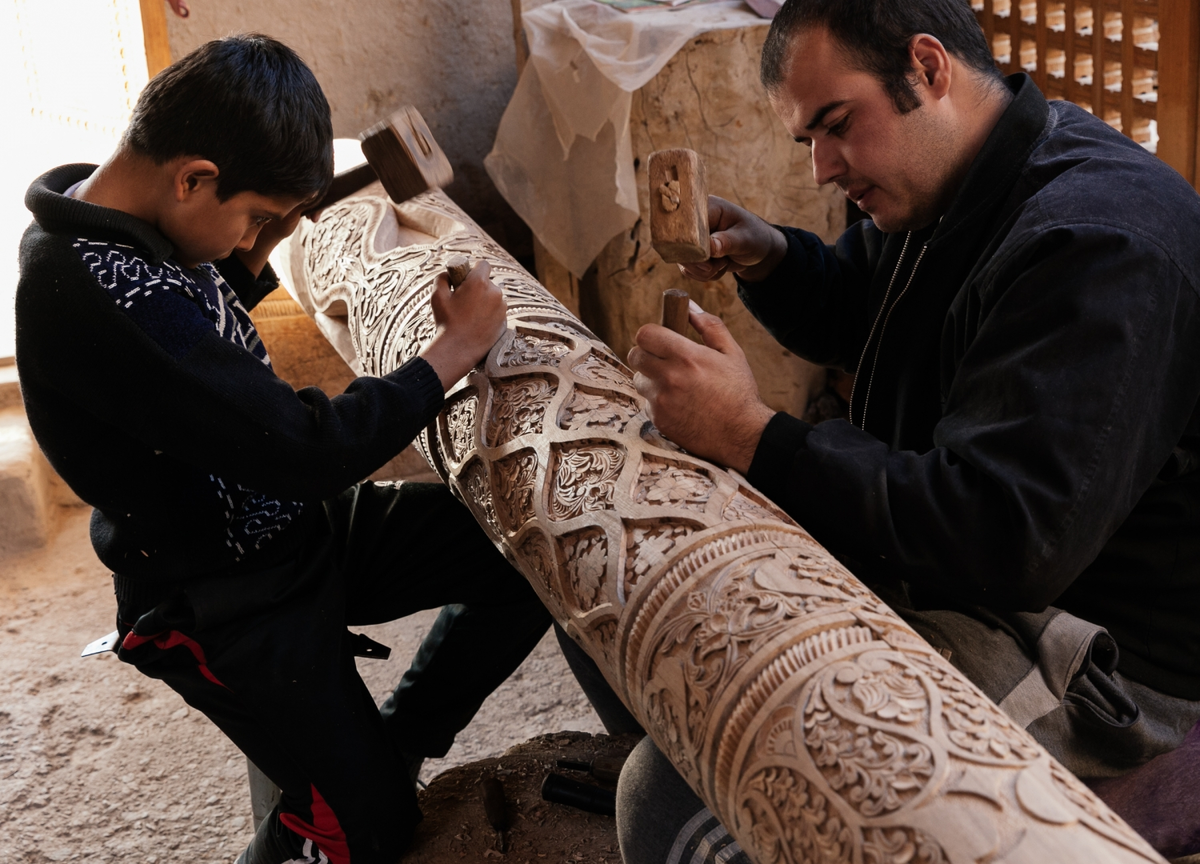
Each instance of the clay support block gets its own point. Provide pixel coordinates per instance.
(678, 206)
(403, 153)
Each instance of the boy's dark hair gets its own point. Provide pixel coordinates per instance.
(875, 34)
(249, 104)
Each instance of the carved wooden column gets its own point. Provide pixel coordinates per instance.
(813, 721)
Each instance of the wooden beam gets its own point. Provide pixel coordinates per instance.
(814, 723)
(154, 35)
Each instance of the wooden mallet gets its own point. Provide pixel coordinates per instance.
(402, 154)
(678, 206)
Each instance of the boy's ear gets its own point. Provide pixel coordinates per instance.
(194, 175)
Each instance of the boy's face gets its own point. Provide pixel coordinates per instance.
(202, 227)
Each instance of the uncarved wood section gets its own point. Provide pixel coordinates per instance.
(154, 35)
(816, 724)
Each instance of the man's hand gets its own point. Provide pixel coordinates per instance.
(702, 397)
(469, 321)
(739, 242)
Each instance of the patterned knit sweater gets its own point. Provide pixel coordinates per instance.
(151, 394)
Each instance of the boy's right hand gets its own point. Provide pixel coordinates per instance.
(739, 242)
(469, 321)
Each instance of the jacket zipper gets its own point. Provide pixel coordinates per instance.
(885, 312)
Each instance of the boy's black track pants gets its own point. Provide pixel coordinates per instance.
(267, 657)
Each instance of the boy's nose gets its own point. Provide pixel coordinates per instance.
(247, 241)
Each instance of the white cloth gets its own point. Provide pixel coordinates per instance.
(563, 157)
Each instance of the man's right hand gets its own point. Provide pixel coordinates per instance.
(469, 321)
(740, 243)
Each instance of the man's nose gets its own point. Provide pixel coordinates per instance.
(828, 164)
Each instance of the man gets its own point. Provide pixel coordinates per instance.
(1018, 474)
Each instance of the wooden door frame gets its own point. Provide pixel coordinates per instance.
(1178, 90)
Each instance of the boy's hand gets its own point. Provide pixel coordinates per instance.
(739, 242)
(269, 236)
(469, 321)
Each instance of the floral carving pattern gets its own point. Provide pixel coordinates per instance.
(585, 478)
(593, 368)
(972, 722)
(585, 560)
(529, 350)
(515, 478)
(671, 486)
(875, 770)
(901, 846)
(534, 551)
(789, 820)
(479, 496)
(417, 332)
(610, 412)
(748, 510)
(460, 421)
(518, 408)
(647, 546)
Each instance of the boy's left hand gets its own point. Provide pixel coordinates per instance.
(270, 236)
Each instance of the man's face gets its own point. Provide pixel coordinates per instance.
(204, 228)
(895, 167)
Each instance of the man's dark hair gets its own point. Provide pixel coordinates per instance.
(250, 105)
(875, 34)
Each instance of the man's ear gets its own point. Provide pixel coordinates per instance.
(931, 65)
(193, 175)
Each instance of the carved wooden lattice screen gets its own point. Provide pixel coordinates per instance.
(1131, 62)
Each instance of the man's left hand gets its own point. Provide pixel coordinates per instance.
(702, 397)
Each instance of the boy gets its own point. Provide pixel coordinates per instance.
(225, 502)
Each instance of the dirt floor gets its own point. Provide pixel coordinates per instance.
(98, 764)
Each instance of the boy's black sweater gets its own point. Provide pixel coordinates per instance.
(150, 394)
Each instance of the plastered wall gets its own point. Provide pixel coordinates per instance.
(453, 59)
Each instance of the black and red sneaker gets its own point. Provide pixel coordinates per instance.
(275, 843)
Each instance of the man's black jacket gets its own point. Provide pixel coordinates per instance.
(1024, 426)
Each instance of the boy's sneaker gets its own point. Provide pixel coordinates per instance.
(275, 843)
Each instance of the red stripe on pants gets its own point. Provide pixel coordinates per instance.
(170, 640)
(327, 833)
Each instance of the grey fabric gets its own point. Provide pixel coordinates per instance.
(1054, 674)
(660, 820)
(1062, 649)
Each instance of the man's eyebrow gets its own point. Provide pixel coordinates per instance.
(820, 115)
